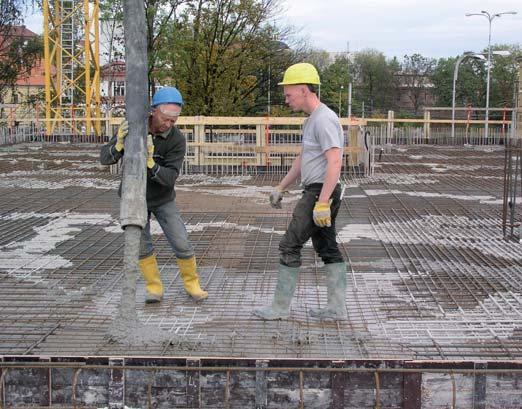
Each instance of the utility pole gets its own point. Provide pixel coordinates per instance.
(350, 100)
(349, 108)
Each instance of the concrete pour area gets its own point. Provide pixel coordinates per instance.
(434, 291)
(430, 275)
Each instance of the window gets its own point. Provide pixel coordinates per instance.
(119, 89)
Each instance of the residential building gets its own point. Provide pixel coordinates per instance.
(26, 98)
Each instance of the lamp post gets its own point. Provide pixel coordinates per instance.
(349, 102)
(340, 95)
(490, 18)
(269, 85)
(455, 75)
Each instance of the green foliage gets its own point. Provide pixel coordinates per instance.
(227, 56)
(223, 56)
(374, 82)
(504, 76)
(334, 89)
(470, 87)
(415, 79)
(18, 58)
(111, 25)
(18, 53)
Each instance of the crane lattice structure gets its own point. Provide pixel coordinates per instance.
(72, 66)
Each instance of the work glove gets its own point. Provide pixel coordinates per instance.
(322, 215)
(276, 197)
(150, 152)
(123, 131)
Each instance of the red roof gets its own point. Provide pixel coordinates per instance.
(36, 77)
(21, 31)
(113, 71)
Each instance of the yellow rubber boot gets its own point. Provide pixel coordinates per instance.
(149, 269)
(187, 270)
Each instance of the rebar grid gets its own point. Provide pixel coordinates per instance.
(429, 273)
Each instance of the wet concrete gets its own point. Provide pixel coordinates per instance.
(430, 276)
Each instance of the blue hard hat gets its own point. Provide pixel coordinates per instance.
(167, 95)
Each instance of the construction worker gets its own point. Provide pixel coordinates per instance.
(318, 166)
(166, 147)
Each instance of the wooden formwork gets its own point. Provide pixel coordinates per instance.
(160, 382)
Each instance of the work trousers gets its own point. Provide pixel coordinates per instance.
(302, 228)
(169, 218)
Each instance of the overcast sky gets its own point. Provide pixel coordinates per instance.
(433, 28)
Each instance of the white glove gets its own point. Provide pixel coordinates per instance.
(276, 197)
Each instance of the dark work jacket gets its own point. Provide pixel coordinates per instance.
(169, 152)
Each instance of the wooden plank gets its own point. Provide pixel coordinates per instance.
(479, 389)
(278, 148)
(435, 121)
(338, 382)
(245, 120)
(193, 384)
(467, 108)
(116, 384)
(261, 385)
(412, 390)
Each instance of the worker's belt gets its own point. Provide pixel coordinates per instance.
(315, 186)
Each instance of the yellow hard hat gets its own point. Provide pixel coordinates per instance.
(301, 73)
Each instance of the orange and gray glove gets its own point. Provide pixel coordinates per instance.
(150, 152)
(276, 197)
(322, 215)
(123, 131)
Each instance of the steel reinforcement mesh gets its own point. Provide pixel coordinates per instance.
(429, 273)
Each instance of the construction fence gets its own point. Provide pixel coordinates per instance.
(268, 145)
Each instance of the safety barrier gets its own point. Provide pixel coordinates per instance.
(258, 145)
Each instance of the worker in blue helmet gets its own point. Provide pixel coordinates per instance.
(166, 147)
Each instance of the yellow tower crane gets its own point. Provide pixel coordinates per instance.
(72, 66)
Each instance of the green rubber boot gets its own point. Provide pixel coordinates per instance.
(336, 290)
(286, 283)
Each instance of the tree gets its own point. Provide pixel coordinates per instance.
(470, 88)
(374, 78)
(223, 53)
(442, 78)
(334, 84)
(111, 27)
(503, 78)
(18, 50)
(159, 14)
(471, 83)
(416, 78)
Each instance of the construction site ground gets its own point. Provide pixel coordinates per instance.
(430, 275)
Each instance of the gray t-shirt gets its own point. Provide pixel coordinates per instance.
(321, 131)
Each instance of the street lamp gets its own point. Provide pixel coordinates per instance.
(455, 74)
(269, 85)
(490, 18)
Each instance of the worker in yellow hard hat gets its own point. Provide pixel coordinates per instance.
(318, 166)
